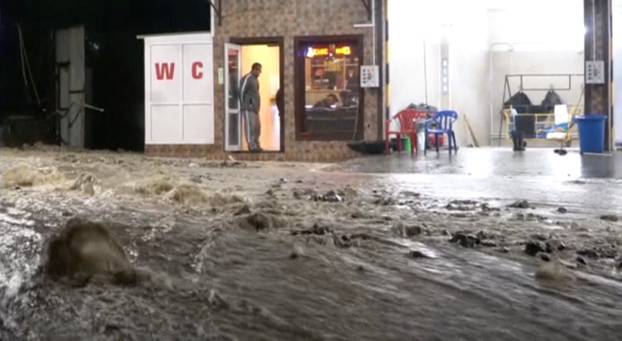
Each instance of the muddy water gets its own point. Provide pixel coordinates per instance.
(268, 252)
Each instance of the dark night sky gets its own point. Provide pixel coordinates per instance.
(149, 16)
(117, 63)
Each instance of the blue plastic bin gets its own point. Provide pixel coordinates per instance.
(592, 133)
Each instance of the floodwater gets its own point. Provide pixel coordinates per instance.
(278, 251)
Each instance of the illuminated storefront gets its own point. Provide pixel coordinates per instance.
(312, 101)
(328, 88)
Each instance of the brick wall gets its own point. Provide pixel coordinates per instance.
(286, 19)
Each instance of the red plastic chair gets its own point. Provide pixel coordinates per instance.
(407, 120)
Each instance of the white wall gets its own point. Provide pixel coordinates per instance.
(617, 71)
(545, 36)
(415, 23)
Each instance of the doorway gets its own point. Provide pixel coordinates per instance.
(240, 56)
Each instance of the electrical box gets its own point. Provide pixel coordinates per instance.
(595, 72)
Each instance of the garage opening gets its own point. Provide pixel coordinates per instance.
(74, 72)
(480, 58)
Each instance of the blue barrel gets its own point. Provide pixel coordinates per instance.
(592, 133)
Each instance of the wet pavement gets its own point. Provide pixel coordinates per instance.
(495, 162)
(487, 246)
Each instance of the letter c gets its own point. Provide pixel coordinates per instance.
(197, 70)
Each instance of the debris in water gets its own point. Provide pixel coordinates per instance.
(243, 210)
(330, 196)
(562, 210)
(609, 217)
(553, 271)
(465, 239)
(297, 252)
(84, 182)
(589, 253)
(461, 205)
(485, 207)
(581, 260)
(85, 249)
(520, 204)
(418, 254)
(259, 221)
(488, 243)
(407, 231)
(316, 229)
(410, 194)
(535, 246)
(187, 195)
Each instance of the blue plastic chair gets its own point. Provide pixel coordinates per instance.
(442, 124)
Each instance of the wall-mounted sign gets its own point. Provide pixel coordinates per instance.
(370, 76)
(595, 72)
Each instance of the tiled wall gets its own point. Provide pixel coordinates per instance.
(287, 19)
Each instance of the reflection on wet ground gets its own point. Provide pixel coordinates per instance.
(295, 252)
(482, 162)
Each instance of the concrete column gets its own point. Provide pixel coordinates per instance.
(598, 97)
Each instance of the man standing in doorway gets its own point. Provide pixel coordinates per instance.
(250, 105)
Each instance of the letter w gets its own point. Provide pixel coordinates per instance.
(165, 70)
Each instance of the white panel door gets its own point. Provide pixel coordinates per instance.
(233, 119)
(179, 89)
(198, 102)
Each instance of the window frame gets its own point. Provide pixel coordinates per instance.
(300, 92)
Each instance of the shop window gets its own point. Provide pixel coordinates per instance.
(328, 96)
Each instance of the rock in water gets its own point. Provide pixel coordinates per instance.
(533, 247)
(85, 249)
(553, 271)
(609, 217)
(465, 239)
(520, 204)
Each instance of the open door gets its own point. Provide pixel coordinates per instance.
(233, 118)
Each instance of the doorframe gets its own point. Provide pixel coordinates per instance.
(278, 41)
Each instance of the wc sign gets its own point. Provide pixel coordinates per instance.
(179, 89)
(166, 71)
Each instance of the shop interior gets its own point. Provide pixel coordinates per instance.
(502, 65)
(269, 83)
(331, 84)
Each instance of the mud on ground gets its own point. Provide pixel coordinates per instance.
(291, 251)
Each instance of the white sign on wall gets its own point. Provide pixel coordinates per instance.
(370, 76)
(179, 89)
(595, 72)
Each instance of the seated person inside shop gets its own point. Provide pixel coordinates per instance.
(329, 102)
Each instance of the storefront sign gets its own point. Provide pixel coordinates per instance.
(325, 51)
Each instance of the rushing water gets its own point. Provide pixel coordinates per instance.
(220, 275)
